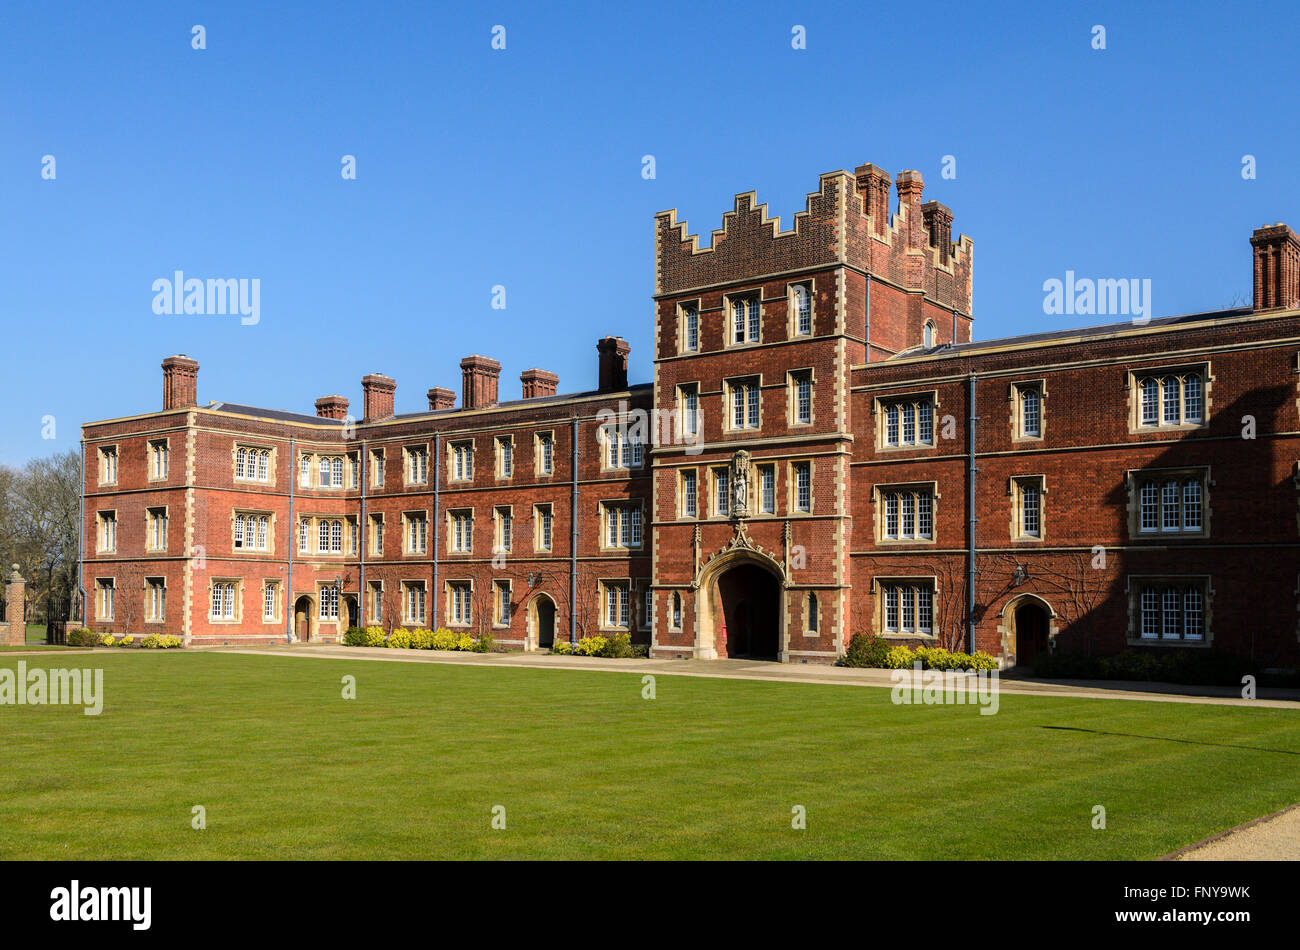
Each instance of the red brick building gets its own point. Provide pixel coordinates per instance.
(823, 451)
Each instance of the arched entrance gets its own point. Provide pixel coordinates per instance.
(302, 618)
(543, 621)
(740, 607)
(354, 613)
(1027, 628)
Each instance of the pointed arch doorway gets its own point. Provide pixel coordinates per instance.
(1026, 628)
(740, 600)
(541, 621)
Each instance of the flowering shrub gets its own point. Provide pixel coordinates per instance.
(561, 648)
(866, 650)
(364, 637)
(126, 641)
(106, 640)
(400, 639)
(591, 646)
(160, 642)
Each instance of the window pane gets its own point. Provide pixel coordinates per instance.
(1192, 401)
(1170, 400)
(1150, 402)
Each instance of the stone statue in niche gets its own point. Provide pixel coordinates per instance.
(740, 483)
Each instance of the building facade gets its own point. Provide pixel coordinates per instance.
(823, 451)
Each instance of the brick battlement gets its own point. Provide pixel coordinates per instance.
(846, 221)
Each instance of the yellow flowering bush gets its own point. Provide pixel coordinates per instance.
(400, 639)
(160, 642)
(106, 640)
(591, 646)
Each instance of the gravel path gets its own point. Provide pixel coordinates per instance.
(1274, 837)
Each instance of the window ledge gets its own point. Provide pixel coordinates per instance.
(1187, 644)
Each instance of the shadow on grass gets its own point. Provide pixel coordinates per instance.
(1134, 735)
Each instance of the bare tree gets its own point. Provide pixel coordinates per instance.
(39, 522)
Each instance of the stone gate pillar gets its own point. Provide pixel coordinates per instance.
(15, 620)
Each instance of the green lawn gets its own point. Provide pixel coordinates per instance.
(585, 767)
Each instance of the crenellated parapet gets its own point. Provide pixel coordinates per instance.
(846, 221)
(912, 248)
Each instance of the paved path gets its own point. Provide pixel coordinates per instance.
(1274, 837)
(778, 672)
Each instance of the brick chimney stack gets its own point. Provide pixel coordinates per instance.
(910, 185)
(180, 382)
(378, 390)
(613, 352)
(440, 397)
(1277, 268)
(873, 186)
(938, 224)
(479, 378)
(332, 407)
(538, 382)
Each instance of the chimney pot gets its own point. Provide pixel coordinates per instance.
(479, 378)
(613, 352)
(180, 382)
(441, 398)
(938, 224)
(378, 392)
(1277, 268)
(538, 383)
(332, 407)
(873, 186)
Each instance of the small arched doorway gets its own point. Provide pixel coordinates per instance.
(302, 619)
(1031, 621)
(354, 613)
(543, 609)
(748, 617)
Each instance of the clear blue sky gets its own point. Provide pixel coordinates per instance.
(522, 168)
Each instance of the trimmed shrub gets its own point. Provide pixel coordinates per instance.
(163, 641)
(85, 637)
(400, 639)
(106, 640)
(126, 641)
(865, 650)
(619, 646)
(898, 658)
(421, 639)
(591, 646)
(561, 648)
(484, 643)
(363, 637)
(444, 639)
(870, 651)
